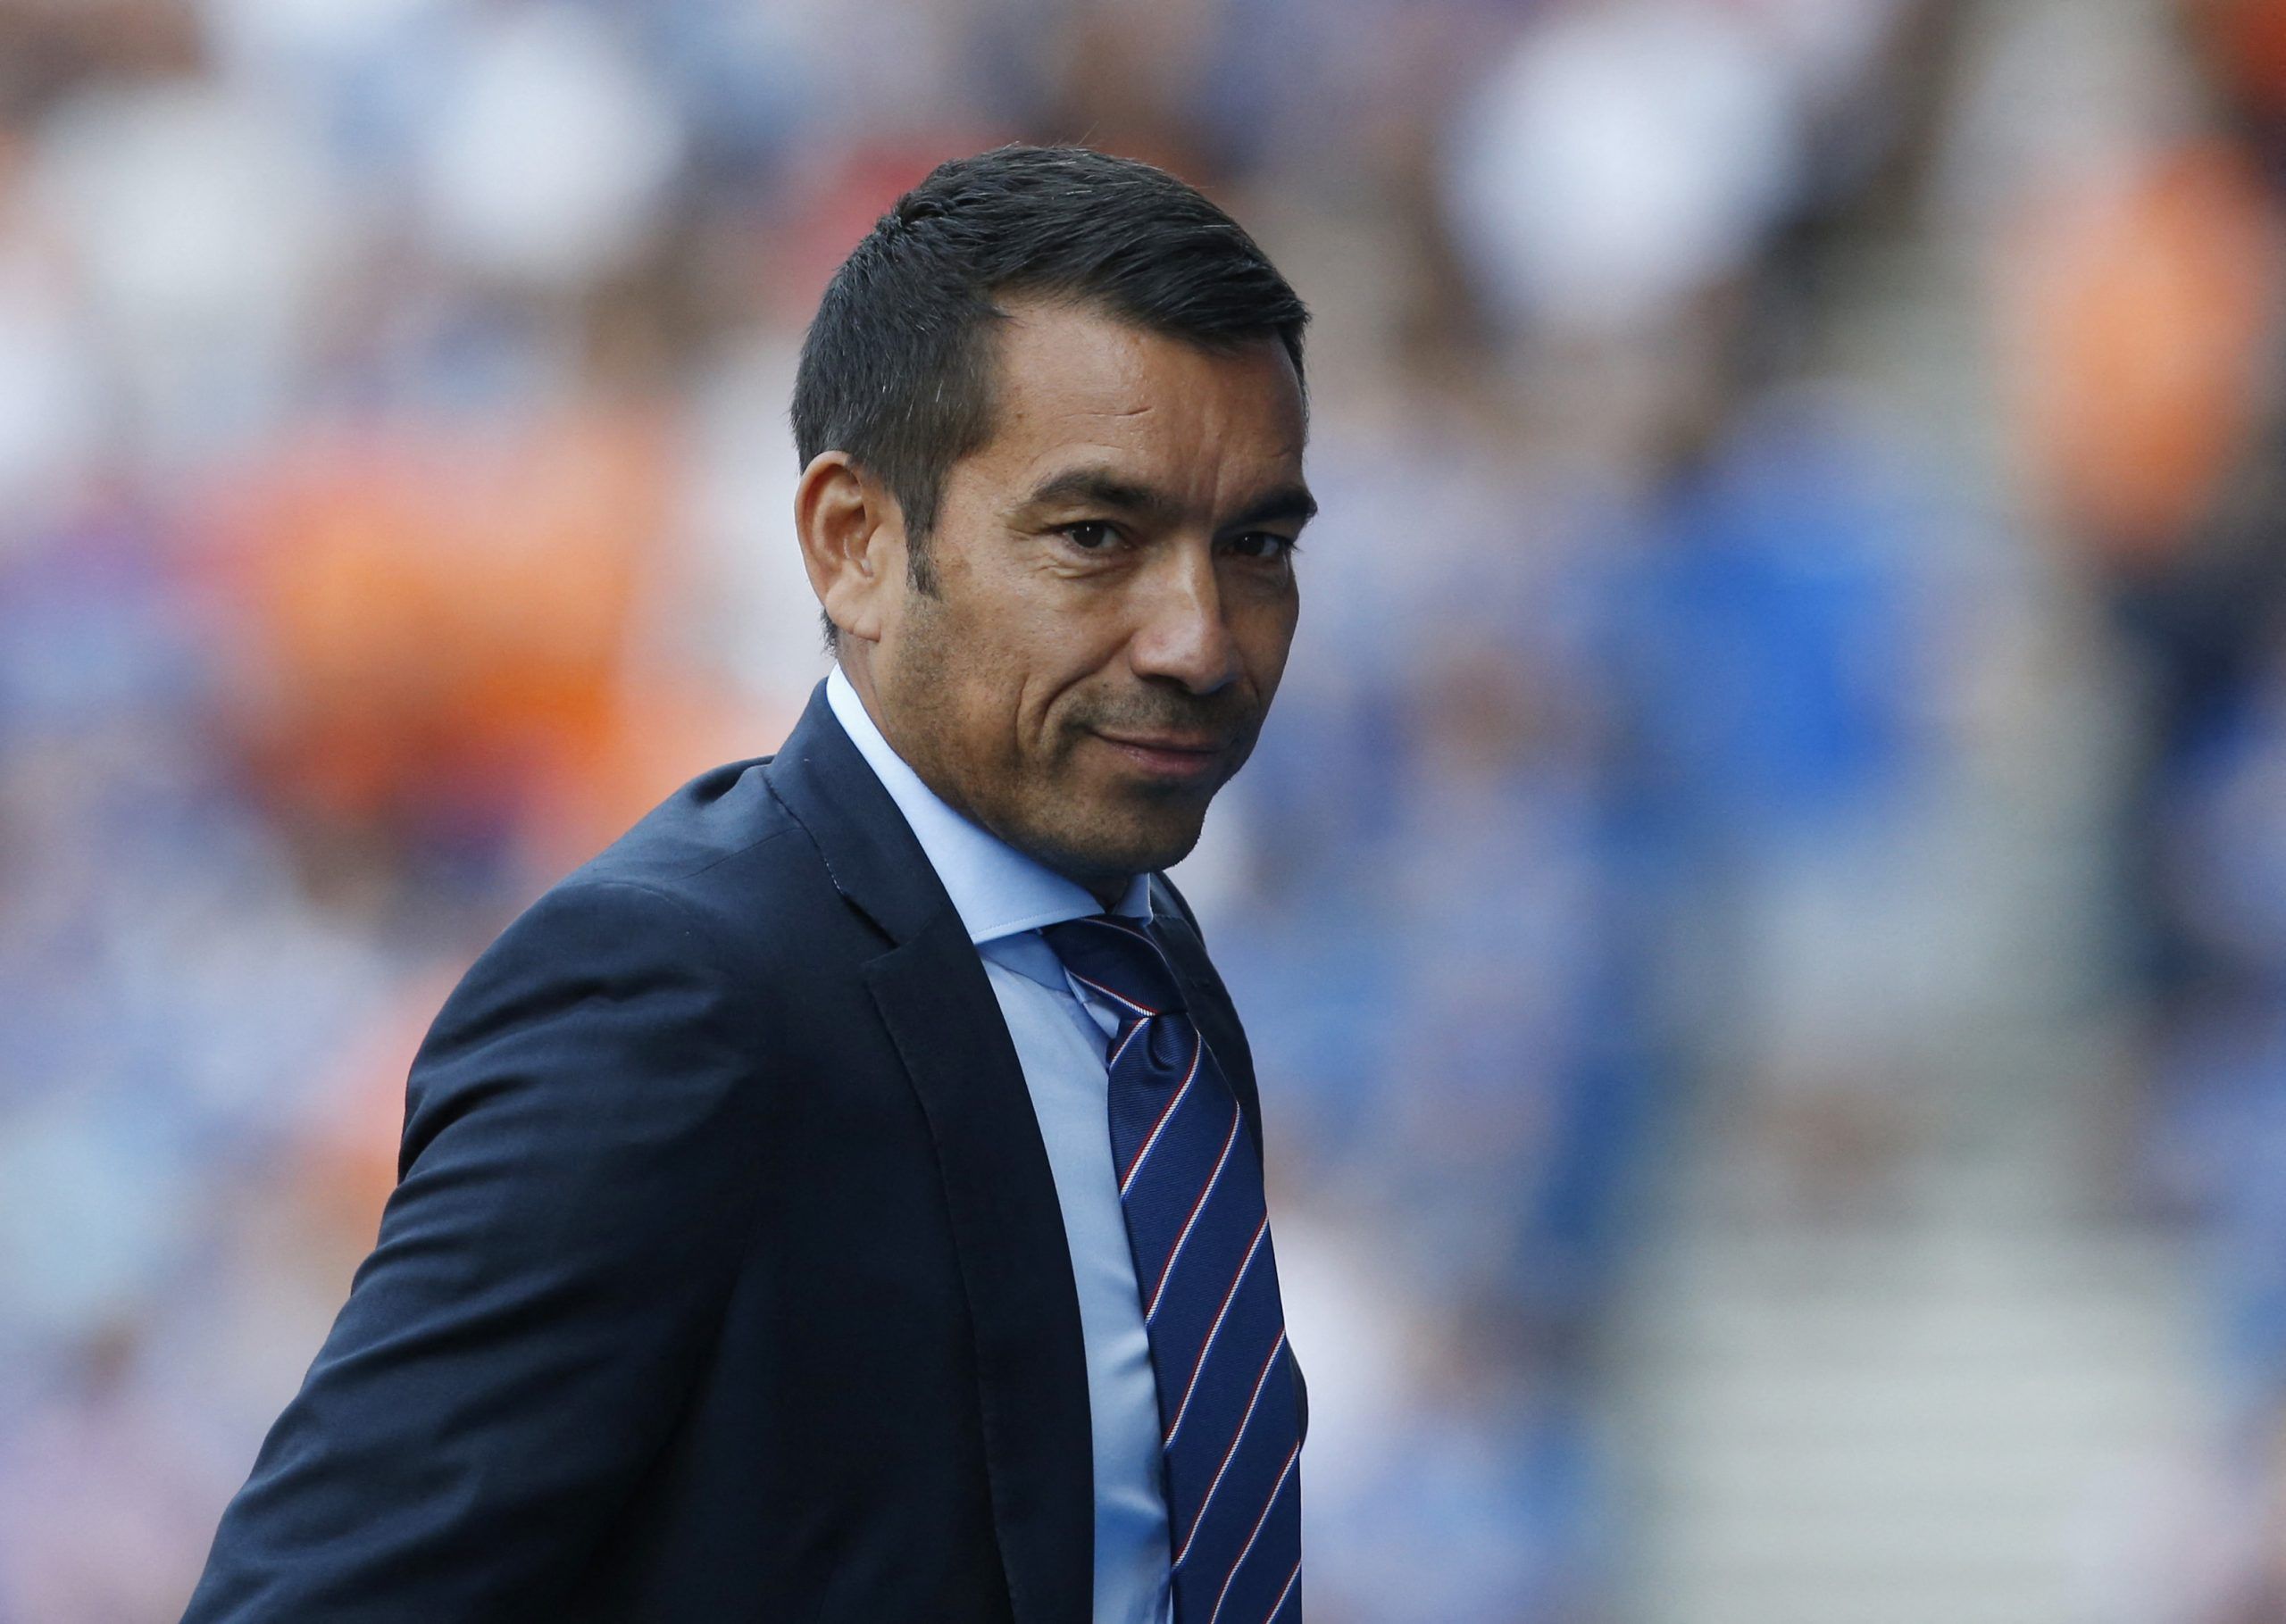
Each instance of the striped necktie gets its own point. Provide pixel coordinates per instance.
(1191, 1187)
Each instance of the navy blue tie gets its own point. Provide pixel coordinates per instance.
(1190, 1186)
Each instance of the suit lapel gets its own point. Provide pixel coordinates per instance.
(1031, 1359)
(1007, 1224)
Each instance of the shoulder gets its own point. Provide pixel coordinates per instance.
(719, 873)
(643, 979)
(714, 852)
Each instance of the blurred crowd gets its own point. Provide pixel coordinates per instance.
(394, 495)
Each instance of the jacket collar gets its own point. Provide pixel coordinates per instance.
(870, 852)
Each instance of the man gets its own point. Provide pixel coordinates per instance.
(841, 1200)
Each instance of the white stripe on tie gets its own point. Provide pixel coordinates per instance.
(1197, 1052)
(1221, 1314)
(1282, 1594)
(1245, 1550)
(1159, 1291)
(1141, 1009)
(1231, 1454)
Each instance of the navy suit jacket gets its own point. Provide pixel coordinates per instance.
(724, 1277)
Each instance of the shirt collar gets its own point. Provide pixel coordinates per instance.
(997, 890)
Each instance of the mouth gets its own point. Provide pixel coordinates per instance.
(1173, 756)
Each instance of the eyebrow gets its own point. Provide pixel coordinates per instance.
(1097, 488)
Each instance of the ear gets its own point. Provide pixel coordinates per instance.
(852, 534)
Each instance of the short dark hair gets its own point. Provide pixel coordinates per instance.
(897, 367)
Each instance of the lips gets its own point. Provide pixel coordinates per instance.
(1178, 744)
(1171, 756)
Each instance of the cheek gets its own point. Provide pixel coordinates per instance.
(1047, 688)
(1020, 667)
(991, 688)
(1266, 634)
(1047, 716)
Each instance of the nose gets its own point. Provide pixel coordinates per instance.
(1183, 636)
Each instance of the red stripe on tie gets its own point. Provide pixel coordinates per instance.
(1215, 1330)
(1282, 1594)
(1133, 1029)
(1141, 1009)
(1110, 923)
(1245, 1550)
(1167, 1111)
(1198, 1517)
(1197, 1207)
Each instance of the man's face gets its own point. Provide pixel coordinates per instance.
(1114, 594)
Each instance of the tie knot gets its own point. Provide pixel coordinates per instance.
(1120, 959)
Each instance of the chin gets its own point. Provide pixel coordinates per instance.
(1099, 855)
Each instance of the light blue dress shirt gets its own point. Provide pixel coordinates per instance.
(1004, 898)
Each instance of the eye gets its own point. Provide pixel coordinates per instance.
(1091, 535)
(1262, 543)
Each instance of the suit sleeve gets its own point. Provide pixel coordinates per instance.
(574, 1196)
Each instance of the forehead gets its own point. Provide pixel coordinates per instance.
(1072, 382)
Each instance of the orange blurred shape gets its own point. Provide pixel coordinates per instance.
(2244, 44)
(2138, 321)
(442, 620)
(668, 725)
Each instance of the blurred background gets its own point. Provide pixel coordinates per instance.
(1762, 908)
